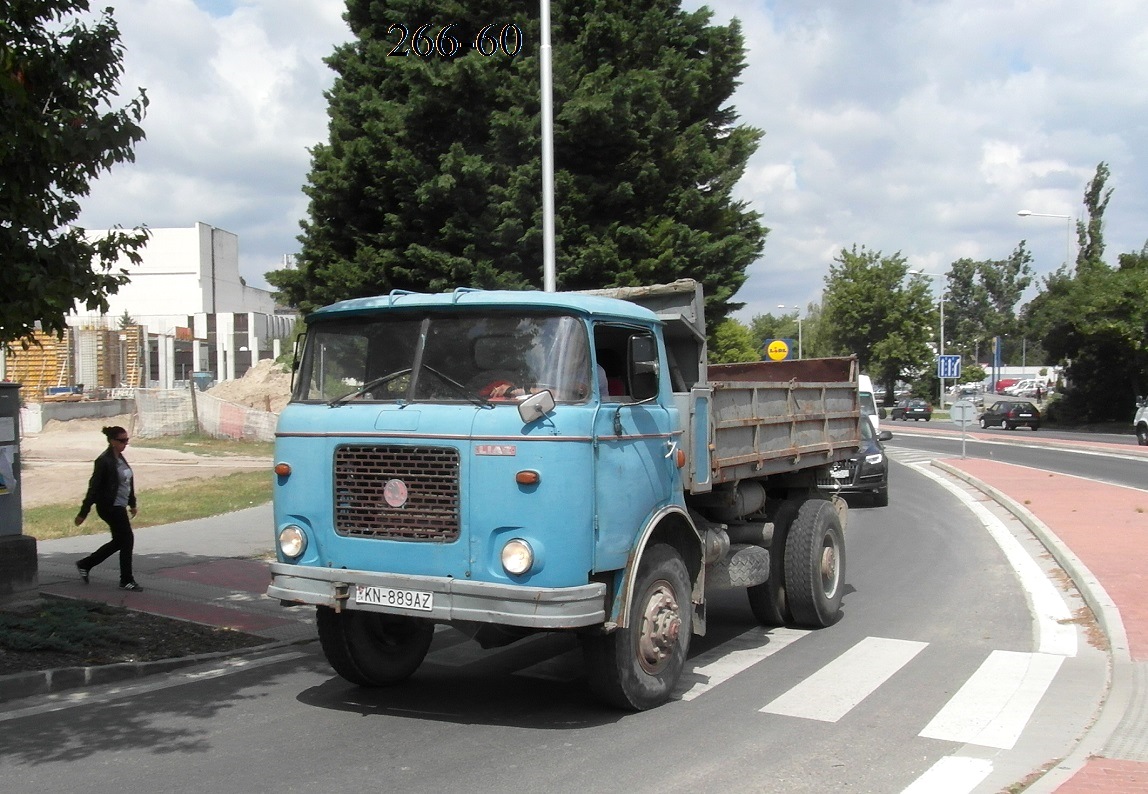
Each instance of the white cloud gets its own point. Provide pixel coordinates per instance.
(918, 126)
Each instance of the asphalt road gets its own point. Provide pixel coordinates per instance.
(1010, 446)
(936, 618)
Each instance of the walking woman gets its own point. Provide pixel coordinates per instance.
(113, 493)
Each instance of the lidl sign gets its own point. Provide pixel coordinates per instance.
(778, 349)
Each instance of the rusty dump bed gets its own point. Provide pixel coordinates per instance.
(770, 417)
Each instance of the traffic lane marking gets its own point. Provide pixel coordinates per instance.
(1053, 618)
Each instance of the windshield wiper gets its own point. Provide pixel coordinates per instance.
(469, 394)
(366, 387)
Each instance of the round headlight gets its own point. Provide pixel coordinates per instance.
(292, 541)
(517, 557)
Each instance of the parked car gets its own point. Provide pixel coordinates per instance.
(866, 472)
(913, 408)
(1011, 414)
(1140, 421)
(1001, 386)
(1024, 388)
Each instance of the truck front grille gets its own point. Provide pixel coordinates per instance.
(423, 503)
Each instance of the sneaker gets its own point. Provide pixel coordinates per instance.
(83, 572)
(130, 586)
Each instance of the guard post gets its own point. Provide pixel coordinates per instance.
(19, 578)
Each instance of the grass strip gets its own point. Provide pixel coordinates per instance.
(202, 444)
(182, 502)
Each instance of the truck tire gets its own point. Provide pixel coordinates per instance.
(371, 648)
(767, 601)
(815, 565)
(637, 667)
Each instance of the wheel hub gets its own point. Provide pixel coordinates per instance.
(829, 569)
(661, 625)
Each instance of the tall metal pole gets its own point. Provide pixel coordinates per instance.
(1068, 243)
(941, 396)
(549, 279)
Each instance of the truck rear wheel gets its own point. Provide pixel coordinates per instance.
(637, 667)
(767, 600)
(372, 648)
(815, 564)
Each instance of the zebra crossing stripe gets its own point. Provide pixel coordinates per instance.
(830, 693)
(722, 663)
(993, 706)
(951, 775)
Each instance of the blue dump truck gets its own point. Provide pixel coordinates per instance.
(515, 462)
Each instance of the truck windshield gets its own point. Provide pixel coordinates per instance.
(484, 358)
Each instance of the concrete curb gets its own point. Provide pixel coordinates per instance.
(1122, 677)
(42, 682)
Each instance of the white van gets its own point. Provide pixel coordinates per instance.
(868, 402)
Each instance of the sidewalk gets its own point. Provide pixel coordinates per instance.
(214, 571)
(211, 571)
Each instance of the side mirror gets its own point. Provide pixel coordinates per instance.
(885, 435)
(643, 360)
(536, 406)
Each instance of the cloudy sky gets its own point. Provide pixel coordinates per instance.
(913, 126)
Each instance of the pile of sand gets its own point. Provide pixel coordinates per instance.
(266, 386)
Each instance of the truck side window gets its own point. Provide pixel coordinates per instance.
(616, 378)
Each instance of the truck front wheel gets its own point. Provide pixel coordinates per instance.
(372, 648)
(637, 667)
(815, 564)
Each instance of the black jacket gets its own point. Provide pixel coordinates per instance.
(104, 484)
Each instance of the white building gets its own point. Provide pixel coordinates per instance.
(200, 315)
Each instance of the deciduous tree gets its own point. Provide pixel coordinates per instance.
(1096, 320)
(872, 309)
(59, 72)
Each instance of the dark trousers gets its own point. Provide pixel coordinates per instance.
(122, 541)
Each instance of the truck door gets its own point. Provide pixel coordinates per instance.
(635, 470)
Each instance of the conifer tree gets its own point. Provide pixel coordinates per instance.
(431, 176)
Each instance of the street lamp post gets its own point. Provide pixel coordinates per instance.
(1068, 229)
(798, 310)
(941, 351)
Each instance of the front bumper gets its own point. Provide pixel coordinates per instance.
(454, 599)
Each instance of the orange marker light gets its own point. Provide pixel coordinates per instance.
(681, 458)
(282, 469)
(528, 477)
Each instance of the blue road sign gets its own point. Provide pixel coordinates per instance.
(948, 366)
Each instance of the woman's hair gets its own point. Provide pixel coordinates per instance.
(112, 432)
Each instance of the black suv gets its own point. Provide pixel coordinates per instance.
(866, 472)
